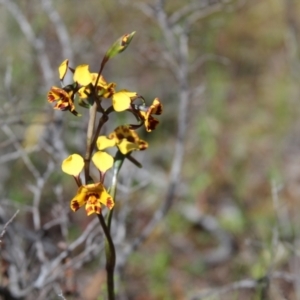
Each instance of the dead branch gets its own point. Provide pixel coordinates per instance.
(7, 224)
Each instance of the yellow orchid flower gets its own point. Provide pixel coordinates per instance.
(103, 89)
(92, 196)
(156, 108)
(64, 98)
(125, 139)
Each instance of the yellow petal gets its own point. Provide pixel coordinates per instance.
(83, 92)
(80, 199)
(73, 165)
(101, 82)
(62, 69)
(93, 208)
(122, 99)
(103, 161)
(106, 199)
(94, 187)
(156, 108)
(82, 75)
(103, 142)
(142, 145)
(126, 147)
(54, 94)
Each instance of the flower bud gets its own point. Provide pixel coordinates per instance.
(120, 45)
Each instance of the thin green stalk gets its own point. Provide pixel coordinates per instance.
(119, 159)
(110, 259)
(109, 246)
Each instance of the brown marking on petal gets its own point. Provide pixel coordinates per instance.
(125, 129)
(118, 130)
(151, 124)
(93, 209)
(61, 103)
(61, 95)
(109, 93)
(92, 198)
(50, 97)
(61, 106)
(75, 205)
(131, 139)
(97, 209)
(89, 210)
(143, 145)
(157, 110)
(110, 203)
(120, 136)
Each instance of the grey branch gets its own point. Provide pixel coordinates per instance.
(36, 43)
(178, 52)
(248, 284)
(7, 224)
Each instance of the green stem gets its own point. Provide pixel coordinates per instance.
(109, 246)
(110, 259)
(118, 162)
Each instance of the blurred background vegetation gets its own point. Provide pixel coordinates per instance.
(242, 146)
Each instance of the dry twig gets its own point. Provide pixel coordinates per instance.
(7, 224)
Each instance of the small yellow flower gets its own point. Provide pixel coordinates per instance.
(92, 196)
(125, 139)
(103, 89)
(150, 122)
(63, 98)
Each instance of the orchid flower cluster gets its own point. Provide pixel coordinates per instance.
(90, 90)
